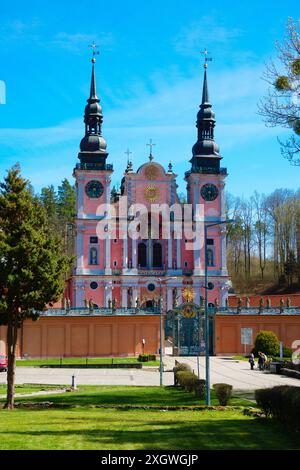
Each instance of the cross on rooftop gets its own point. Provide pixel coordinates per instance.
(151, 145)
(95, 51)
(206, 59)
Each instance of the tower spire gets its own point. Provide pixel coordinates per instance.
(205, 151)
(93, 144)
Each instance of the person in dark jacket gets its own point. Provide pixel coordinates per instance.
(252, 361)
(260, 361)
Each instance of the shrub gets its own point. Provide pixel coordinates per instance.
(152, 357)
(223, 393)
(146, 357)
(282, 403)
(187, 380)
(295, 374)
(266, 342)
(287, 352)
(178, 368)
(143, 358)
(200, 388)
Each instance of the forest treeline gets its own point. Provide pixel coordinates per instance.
(263, 245)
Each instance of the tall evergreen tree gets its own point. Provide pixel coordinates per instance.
(48, 198)
(66, 200)
(32, 263)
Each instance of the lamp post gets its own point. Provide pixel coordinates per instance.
(207, 365)
(161, 328)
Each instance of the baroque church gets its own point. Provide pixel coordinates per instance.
(122, 271)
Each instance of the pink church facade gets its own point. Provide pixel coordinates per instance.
(114, 268)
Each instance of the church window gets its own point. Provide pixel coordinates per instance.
(157, 255)
(142, 255)
(93, 256)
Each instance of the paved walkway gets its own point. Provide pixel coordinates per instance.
(236, 373)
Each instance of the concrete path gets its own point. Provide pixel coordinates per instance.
(236, 373)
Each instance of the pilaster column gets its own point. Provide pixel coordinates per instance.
(79, 294)
(197, 294)
(107, 293)
(134, 295)
(133, 253)
(222, 201)
(125, 253)
(107, 255)
(124, 297)
(223, 252)
(170, 251)
(80, 250)
(169, 298)
(178, 253)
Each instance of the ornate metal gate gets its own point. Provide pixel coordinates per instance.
(186, 326)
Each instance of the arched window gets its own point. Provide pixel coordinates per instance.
(210, 257)
(157, 255)
(93, 256)
(142, 255)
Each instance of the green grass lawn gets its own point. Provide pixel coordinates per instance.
(108, 395)
(86, 428)
(28, 388)
(82, 360)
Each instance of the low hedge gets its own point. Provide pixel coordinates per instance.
(146, 357)
(223, 393)
(184, 377)
(282, 403)
(295, 374)
(179, 367)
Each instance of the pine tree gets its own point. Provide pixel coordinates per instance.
(32, 263)
(48, 198)
(66, 202)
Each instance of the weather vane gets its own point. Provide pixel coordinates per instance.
(151, 144)
(206, 59)
(95, 51)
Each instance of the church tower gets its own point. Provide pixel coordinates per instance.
(205, 187)
(93, 177)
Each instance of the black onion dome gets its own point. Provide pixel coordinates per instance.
(93, 143)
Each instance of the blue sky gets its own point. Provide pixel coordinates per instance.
(149, 79)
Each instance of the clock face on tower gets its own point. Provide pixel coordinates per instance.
(209, 192)
(94, 189)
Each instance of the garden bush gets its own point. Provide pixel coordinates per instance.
(295, 374)
(223, 393)
(282, 403)
(200, 388)
(266, 342)
(187, 380)
(146, 357)
(179, 367)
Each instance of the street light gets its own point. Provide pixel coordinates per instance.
(207, 371)
(161, 328)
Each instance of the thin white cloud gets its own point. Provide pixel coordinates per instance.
(76, 42)
(207, 29)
